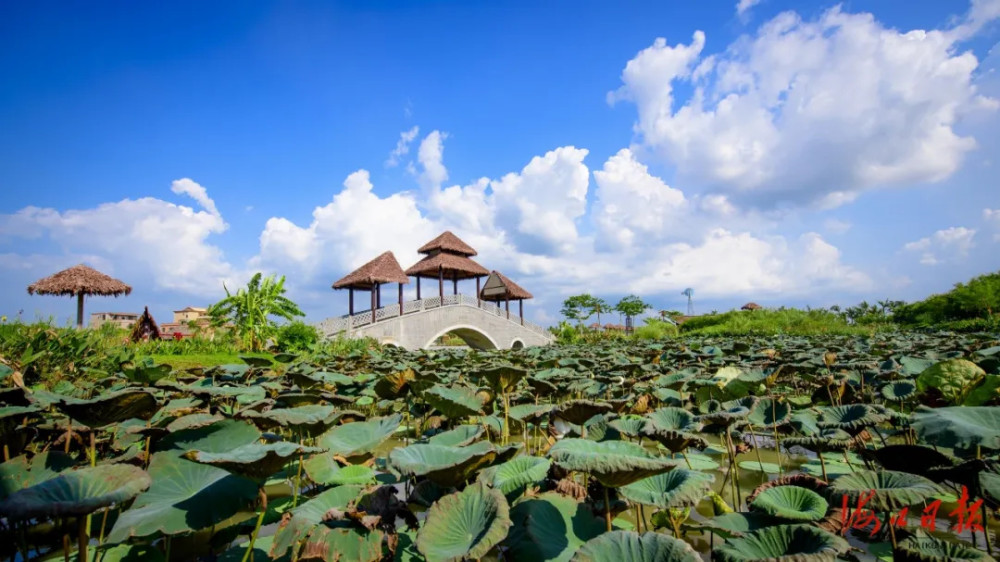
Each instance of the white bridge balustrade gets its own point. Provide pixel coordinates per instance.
(481, 324)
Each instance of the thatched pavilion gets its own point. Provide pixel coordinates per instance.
(370, 277)
(499, 287)
(751, 306)
(78, 281)
(448, 257)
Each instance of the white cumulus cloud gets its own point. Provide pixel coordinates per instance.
(947, 245)
(811, 112)
(402, 146)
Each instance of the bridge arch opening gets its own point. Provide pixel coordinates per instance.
(473, 337)
(517, 344)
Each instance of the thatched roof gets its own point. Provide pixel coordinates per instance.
(383, 269)
(77, 280)
(499, 287)
(447, 242)
(453, 267)
(145, 328)
(751, 306)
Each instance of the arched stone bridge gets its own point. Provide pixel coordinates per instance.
(480, 324)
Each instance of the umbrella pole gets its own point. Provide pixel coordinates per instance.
(79, 310)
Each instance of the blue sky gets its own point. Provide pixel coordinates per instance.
(797, 153)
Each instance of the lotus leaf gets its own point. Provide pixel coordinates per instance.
(783, 542)
(216, 437)
(612, 463)
(184, 496)
(898, 391)
(455, 402)
(757, 466)
(394, 385)
(447, 466)
(551, 527)
(791, 503)
(987, 392)
(579, 411)
(342, 543)
(628, 546)
(952, 379)
(253, 460)
(932, 549)
(513, 476)
(851, 418)
(76, 492)
(110, 408)
(959, 427)
(737, 524)
(530, 413)
(356, 441)
(20, 473)
(310, 419)
(502, 378)
(678, 488)
(892, 490)
(126, 553)
(465, 524)
(629, 425)
(307, 516)
(768, 413)
(916, 459)
(457, 437)
(674, 428)
(323, 469)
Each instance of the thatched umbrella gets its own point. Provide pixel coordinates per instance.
(370, 277)
(78, 281)
(751, 306)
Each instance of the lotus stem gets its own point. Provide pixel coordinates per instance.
(777, 450)
(65, 543)
(638, 522)
(6, 453)
(986, 527)
(847, 459)
(248, 555)
(686, 460)
(104, 521)
(506, 419)
(892, 532)
(822, 464)
(166, 545)
(756, 449)
(607, 509)
(82, 538)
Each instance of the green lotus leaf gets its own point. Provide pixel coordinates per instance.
(629, 425)
(898, 391)
(307, 516)
(804, 421)
(952, 379)
(678, 488)
(146, 372)
(126, 553)
(737, 524)
(629, 546)
(502, 378)
(915, 459)
(455, 402)
(323, 469)
(597, 428)
(700, 462)
(394, 385)
(892, 490)
(579, 411)
(254, 361)
(674, 428)
(932, 549)
(465, 524)
(357, 441)
(447, 466)
(851, 418)
(110, 408)
(254, 460)
(457, 437)
(19, 473)
(791, 503)
(343, 543)
(531, 413)
(193, 421)
(800, 543)
(768, 413)
(515, 475)
(551, 527)
(989, 486)
(310, 419)
(217, 437)
(185, 496)
(986, 393)
(612, 463)
(960, 427)
(76, 492)
(725, 417)
(757, 466)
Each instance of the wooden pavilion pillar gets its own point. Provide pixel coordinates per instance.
(79, 309)
(350, 301)
(400, 299)
(478, 302)
(454, 282)
(378, 295)
(520, 309)
(373, 304)
(507, 303)
(418, 287)
(441, 284)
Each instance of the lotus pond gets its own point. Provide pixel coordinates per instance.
(724, 449)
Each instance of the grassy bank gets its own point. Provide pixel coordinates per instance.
(204, 360)
(772, 322)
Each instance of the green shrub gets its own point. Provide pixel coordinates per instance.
(296, 336)
(656, 329)
(769, 322)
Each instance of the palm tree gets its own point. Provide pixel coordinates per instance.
(599, 305)
(251, 309)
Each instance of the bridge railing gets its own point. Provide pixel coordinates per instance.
(347, 323)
